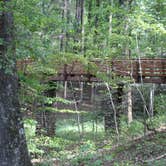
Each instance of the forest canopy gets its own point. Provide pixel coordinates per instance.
(91, 28)
(85, 79)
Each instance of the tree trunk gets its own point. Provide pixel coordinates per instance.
(65, 18)
(79, 15)
(13, 149)
(79, 18)
(151, 100)
(89, 11)
(129, 112)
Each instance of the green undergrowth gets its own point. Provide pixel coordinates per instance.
(93, 147)
(141, 152)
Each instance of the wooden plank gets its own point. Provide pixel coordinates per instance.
(153, 70)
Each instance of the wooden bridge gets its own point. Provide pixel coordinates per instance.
(138, 70)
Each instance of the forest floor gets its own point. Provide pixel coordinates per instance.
(149, 150)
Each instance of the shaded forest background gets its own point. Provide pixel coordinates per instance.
(76, 123)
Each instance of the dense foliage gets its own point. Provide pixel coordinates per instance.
(90, 28)
(54, 32)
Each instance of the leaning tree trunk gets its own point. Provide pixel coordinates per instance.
(13, 149)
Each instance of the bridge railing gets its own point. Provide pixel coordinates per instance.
(146, 70)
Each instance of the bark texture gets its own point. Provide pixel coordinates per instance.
(13, 149)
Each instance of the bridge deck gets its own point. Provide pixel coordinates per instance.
(146, 70)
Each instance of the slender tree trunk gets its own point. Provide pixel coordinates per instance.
(129, 96)
(89, 11)
(151, 102)
(110, 18)
(79, 15)
(65, 90)
(13, 149)
(118, 99)
(114, 111)
(96, 24)
(79, 18)
(65, 19)
(97, 16)
(110, 24)
(83, 32)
